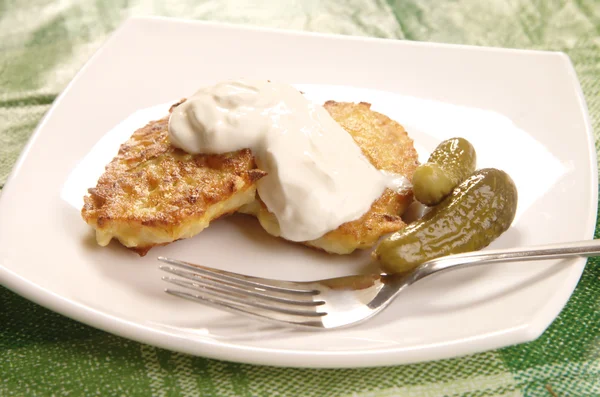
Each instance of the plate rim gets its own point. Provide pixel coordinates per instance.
(224, 350)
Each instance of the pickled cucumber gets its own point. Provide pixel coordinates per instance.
(478, 211)
(448, 165)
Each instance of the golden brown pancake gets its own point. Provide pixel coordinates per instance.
(152, 193)
(388, 147)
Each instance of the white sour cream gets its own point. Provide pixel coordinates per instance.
(317, 178)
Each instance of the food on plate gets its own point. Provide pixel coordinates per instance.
(478, 211)
(152, 193)
(335, 177)
(449, 164)
(387, 146)
(308, 170)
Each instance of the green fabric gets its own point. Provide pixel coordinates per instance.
(42, 45)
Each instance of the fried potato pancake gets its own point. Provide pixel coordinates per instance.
(388, 147)
(153, 193)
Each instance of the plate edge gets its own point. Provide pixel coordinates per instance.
(338, 36)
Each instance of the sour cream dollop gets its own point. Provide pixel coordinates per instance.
(318, 177)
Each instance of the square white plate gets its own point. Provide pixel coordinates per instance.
(523, 111)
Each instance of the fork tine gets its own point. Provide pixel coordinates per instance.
(232, 287)
(203, 284)
(240, 279)
(298, 321)
(246, 306)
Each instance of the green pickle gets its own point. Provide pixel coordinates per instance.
(448, 165)
(478, 211)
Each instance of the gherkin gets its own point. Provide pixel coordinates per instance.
(449, 164)
(478, 211)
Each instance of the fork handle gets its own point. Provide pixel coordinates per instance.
(584, 248)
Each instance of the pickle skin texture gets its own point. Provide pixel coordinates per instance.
(478, 211)
(449, 164)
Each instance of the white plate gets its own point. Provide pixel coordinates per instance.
(523, 110)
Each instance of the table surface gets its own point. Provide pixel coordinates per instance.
(42, 45)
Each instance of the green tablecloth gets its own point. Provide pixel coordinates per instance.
(42, 45)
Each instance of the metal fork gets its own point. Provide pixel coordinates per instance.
(336, 302)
